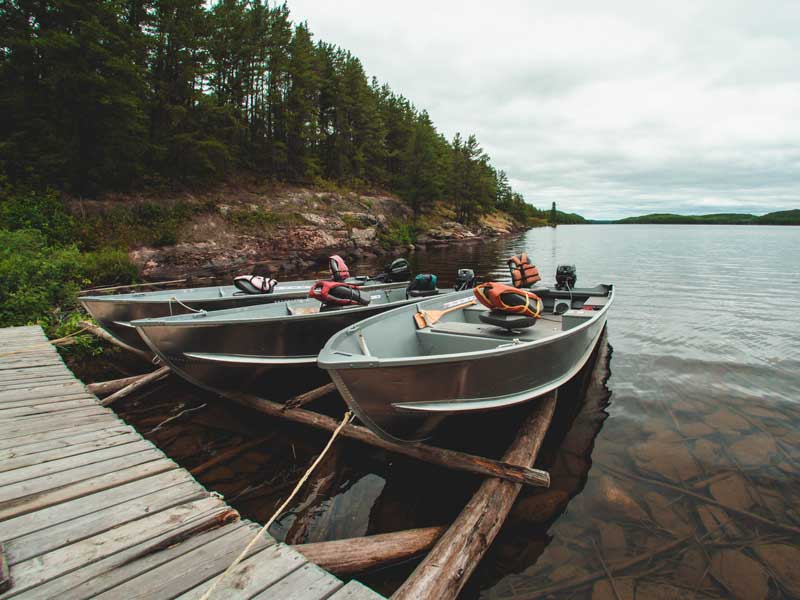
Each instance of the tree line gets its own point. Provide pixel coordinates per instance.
(114, 95)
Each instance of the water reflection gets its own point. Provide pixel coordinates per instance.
(692, 481)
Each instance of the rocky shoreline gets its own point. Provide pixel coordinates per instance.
(295, 229)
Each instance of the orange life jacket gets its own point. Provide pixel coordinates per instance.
(504, 298)
(523, 273)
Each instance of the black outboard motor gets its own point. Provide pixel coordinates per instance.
(422, 286)
(465, 280)
(397, 270)
(566, 277)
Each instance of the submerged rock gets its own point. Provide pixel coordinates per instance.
(612, 539)
(669, 460)
(664, 513)
(754, 450)
(733, 491)
(783, 561)
(744, 577)
(651, 590)
(727, 420)
(613, 501)
(602, 589)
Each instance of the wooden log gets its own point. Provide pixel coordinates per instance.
(103, 388)
(5, 575)
(443, 457)
(131, 286)
(307, 397)
(132, 387)
(99, 332)
(447, 567)
(356, 555)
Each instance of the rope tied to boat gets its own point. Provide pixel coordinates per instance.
(348, 416)
(189, 308)
(47, 344)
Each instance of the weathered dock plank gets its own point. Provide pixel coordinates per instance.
(88, 508)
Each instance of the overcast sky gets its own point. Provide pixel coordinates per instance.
(607, 108)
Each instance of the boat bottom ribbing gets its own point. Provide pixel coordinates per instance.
(88, 508)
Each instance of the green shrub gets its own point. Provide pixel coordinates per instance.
(22, 208)
(39, 281)
(397, 233)
(35, 277)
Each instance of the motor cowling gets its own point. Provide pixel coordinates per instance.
(566, 277)
(339, 268)
(397, 270)
(334, 293)
(465, 280)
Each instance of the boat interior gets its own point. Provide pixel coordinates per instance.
(394, 293)
(467, 329)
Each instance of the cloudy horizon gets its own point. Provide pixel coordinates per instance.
(609, 110)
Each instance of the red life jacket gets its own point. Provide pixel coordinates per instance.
(506, 299)
(523, 273)
(337, 293)
(339, 269)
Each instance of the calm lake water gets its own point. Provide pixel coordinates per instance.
(702, 405)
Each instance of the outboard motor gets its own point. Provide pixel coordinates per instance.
(422, 285)
(465, 280)
(566, 277)
(397, 270)
(339, 269)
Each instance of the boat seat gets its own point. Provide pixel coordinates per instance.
(302, 310)
(475, 330)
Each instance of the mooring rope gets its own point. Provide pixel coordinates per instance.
(189, 308)
(347, 418)
(47, 344)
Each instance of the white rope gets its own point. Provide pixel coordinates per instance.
(189, 308)
(347, 417)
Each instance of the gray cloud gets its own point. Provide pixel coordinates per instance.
(608, 109)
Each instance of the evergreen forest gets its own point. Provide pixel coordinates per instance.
(120, 95)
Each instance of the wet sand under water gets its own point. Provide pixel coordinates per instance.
(689, 477)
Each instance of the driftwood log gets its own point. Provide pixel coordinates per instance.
(447, 567)
(135, 385)
(451, 459)
(98, 332)
(103, 388)
(356, 555)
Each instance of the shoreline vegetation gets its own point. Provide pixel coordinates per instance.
(142, 137)
(783, 217)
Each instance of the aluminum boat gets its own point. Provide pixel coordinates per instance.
(114, 313)
(268, 350)
(402, 376)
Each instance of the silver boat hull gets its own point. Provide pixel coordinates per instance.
(238, 351)
(115, 313)
(406, 402)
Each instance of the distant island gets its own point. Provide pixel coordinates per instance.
(783, 217)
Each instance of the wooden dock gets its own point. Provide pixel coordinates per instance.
(88, 508)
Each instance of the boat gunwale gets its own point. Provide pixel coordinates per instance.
(371, 361)
(200, 319)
